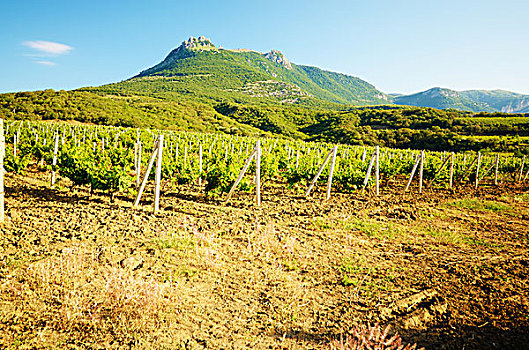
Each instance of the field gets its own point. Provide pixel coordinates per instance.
(446, 269)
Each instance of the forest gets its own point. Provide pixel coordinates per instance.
(390, 126)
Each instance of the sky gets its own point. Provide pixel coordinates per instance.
(400, 46)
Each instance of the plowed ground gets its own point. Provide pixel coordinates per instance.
(447, 269)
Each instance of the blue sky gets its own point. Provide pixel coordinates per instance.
(399, 46)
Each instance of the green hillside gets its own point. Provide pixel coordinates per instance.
(119, 110)
(197, 67)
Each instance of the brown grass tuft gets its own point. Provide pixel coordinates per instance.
(74, 293)
(371, 337)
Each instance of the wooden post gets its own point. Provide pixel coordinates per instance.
(146, 174)
(452, 169)
(421, 170)
(521, 169)
(377, 170)
(477, 169)
(469, 168)
(440, 169)
(258, 173)
(364, 155)
(200, 164)
(241, 174)
(486, 172)
(526, 176)
(2, 155)
(368, 173)
(417, 161)
(158, 175)
(496, 169)
(54, 162)
(319, 173)
(136, 159)
(331, 171)
(138, 165)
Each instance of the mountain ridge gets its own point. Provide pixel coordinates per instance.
(230, 72)
(242, 71)
(467, 100)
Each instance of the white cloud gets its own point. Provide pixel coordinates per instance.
(48, 47)
(46, 63)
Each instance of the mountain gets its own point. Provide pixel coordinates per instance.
(197, 67)
(205, 88)
(500, 100)
(443, 99)
(470, 100)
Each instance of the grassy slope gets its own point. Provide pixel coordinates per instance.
(120, 109)
(223, 73)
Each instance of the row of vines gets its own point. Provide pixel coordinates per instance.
(110, 159)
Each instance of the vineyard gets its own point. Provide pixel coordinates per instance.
(256, 242)
(112, 160)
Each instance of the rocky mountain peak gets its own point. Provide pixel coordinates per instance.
(200, 43)
(188, 48)
(278, 57)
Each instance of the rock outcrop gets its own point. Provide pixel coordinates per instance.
(278, 57)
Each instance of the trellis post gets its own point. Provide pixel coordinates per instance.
(377, 170)
(477, 169)
(2, 155)
(496, 169)
(258, 173)
(158, 175)
(54, 162)
(331, 171)
(421, 171)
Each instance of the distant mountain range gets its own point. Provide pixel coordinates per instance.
(470, 100)
(198, 68)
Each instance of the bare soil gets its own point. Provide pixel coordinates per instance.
(447, 269)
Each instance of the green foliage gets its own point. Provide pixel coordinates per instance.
(107, 170)
(221, 176)
(103, 159)
(17, 164)
(75, 163)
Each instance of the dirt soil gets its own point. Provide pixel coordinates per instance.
(447, 269)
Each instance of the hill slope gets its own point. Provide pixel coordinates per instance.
(198, 67)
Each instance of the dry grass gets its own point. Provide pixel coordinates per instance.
(371, 338)
(77, 293)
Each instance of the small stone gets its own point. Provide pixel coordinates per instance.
(132, 263)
